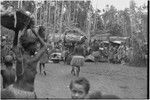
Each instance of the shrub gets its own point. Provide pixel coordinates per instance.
(137, 59)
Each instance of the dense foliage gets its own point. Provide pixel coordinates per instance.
(58, 16)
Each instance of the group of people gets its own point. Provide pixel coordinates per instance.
(19, 82)
(111, 51)
(80, 86)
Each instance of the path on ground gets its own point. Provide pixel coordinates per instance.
(123, 81)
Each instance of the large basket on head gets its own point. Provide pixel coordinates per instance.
(22, 20)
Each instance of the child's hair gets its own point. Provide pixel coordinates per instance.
(95, 95)
(81, 81)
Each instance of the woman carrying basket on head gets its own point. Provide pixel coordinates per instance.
(77, 59)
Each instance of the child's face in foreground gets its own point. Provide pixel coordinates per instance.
(78, 91)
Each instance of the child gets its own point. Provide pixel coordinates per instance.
(8, 74)
(79, 88)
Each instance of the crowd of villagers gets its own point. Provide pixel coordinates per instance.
(19, 58)
(19, 61)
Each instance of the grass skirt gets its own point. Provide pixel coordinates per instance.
(77, 61)
(44, 58)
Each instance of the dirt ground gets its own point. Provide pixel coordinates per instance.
(121, 80)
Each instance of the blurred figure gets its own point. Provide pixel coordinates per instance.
(8, 74)
(44, 58)
(77, 59)
(65, 54)
(79, 88)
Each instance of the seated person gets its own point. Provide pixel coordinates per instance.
(79, 88)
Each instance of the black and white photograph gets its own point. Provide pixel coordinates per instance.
(74, 49)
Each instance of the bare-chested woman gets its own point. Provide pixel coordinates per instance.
(25, 68)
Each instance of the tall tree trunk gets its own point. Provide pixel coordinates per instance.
(69, 12)
(50, 13)
(20, 4)
(94, 28)
(55, 15)
(61, 17)
(40, 15)
(46, 15)
(35, 12)
(88, 26)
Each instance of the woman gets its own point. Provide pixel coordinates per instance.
(25, 68)
(78, 59)
(44, 58)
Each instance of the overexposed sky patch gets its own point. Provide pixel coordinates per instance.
(119, 4)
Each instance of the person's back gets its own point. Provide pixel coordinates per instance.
(79, 50)
(77, 59)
